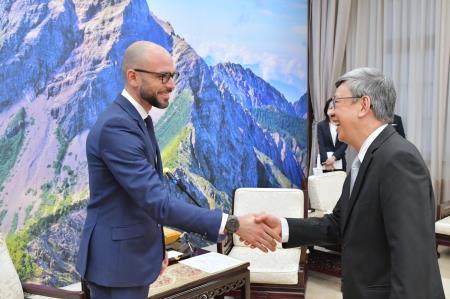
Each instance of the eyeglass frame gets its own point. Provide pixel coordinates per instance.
(334, 100)
(165, 76)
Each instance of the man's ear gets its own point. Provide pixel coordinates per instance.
(366, 106)
(131, 78)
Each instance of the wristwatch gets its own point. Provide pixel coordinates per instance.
(232, 224)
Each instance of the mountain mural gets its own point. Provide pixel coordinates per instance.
(225, 127)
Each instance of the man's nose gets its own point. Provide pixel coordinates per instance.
(170, 84)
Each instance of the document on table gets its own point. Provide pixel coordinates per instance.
(174, 254)
(211, 262)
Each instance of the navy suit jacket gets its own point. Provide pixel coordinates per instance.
(386, 225)
(122, 241)
(326, 144)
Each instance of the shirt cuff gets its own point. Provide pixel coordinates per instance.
(284, 230)
(222, 225)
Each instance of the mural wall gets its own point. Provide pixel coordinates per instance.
(237, 117)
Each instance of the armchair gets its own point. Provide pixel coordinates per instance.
(442, 226)
(279, 274)
(324, 191)
(12, 288)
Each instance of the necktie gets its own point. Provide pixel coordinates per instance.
(354, 172)
(151, 133)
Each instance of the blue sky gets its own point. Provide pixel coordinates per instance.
(270, 37)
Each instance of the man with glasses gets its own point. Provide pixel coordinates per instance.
(122, 251)
(384, 218)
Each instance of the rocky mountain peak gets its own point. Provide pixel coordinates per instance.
(249, 89)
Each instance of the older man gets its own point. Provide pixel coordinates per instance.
(384, 218)
(122, 248)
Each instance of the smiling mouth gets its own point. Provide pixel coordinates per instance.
(165, 94)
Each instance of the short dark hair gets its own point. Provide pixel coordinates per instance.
(325, 109)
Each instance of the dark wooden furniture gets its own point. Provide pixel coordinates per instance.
(47, 291)
(208, 285)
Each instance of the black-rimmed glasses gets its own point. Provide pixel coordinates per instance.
(335, 100)
(165, 76)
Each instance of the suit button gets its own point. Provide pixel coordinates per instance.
(159, 225)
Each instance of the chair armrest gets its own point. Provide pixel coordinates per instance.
(304, 256)
(225, 244)
(43, 290)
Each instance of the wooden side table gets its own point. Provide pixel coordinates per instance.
(182, 281)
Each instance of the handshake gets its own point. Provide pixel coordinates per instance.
(260, 231)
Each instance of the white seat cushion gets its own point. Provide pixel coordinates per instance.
(325, 189)
(10, 286)
(279, 267)
(443, 226)
(280, 202)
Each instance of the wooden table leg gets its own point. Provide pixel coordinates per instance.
(245, 289)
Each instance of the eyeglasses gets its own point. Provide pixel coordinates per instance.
(335, 100)
(165, 76)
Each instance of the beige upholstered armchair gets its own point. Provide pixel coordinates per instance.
(12, 288)
(324, 191)
(442, 225)
(279, 274)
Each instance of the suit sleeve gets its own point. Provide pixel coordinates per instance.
(339, 153)
(321, 140)
(407, 204)
(124, 152)
(315, 231)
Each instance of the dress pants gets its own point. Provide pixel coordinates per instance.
(100, 292)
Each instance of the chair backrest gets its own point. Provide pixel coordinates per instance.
(325, 189)
(10, 286)
(280, 202)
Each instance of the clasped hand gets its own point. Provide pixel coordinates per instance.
(260, 231)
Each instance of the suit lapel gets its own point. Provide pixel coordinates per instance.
(134, 114)
(360, 179)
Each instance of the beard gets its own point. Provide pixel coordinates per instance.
(152, 98)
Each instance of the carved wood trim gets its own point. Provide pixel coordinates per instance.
(221, 290)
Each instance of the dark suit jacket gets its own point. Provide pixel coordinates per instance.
(386, 226)
(122, 243)
(326, 144)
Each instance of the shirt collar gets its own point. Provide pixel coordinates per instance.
(365, 146)
(135, 104)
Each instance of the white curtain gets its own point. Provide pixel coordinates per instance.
(408, 40)
(328, 29)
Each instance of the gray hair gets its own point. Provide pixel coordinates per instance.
(371, 82)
